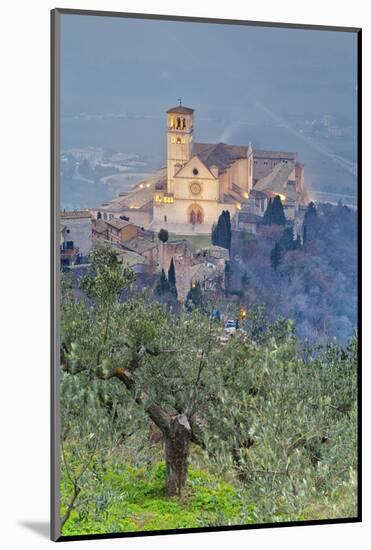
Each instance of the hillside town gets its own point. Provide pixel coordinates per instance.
(186, 199)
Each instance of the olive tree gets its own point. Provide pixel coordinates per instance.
(158, 358)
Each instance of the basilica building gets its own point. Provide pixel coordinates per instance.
(200, 180)
(203, 179)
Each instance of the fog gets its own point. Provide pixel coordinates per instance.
(259, 84)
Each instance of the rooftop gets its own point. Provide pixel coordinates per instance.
(140, 245)
(118, 224)
(219, 154)
(138, 196)
(181, 109)
(276, 181)
(263, 153)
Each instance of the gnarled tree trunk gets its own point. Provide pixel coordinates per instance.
(177, 439)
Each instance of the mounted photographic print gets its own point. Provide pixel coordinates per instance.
(205, 277)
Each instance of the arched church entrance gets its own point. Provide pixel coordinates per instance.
(195, 214)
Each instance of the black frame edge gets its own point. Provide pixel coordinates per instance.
(54, 288)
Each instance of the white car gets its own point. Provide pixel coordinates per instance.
(231, 326)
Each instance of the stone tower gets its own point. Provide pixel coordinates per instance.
(179, 141)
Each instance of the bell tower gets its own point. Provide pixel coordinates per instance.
(179, 140)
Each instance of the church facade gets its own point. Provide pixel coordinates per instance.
(202, 179)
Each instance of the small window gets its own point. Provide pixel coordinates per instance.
(178, 140)
(165, 218)
(195, 171)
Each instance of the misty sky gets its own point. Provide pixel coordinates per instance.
(117, 64)
(244, 83)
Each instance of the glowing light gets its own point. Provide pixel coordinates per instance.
(282, 197)
(245, 194)
(147, 184)
(238, 206)
(166, 200)
(243, 313)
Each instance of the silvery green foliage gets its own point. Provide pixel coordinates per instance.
(286, 422)
(280, 417)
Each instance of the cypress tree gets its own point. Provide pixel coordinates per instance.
(287, 240)
(194, 296)
(310, 223)
(163, 235)
(221, 234)
(171, 273)
(277, 214)
(276, 256)
(267, 218)
(172, 278)
(163, 286)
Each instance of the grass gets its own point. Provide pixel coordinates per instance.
(135, 500)
(119, 498)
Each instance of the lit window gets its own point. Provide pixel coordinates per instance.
(173, 140)
(183, 140)
(171, 121)
(178, 140)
